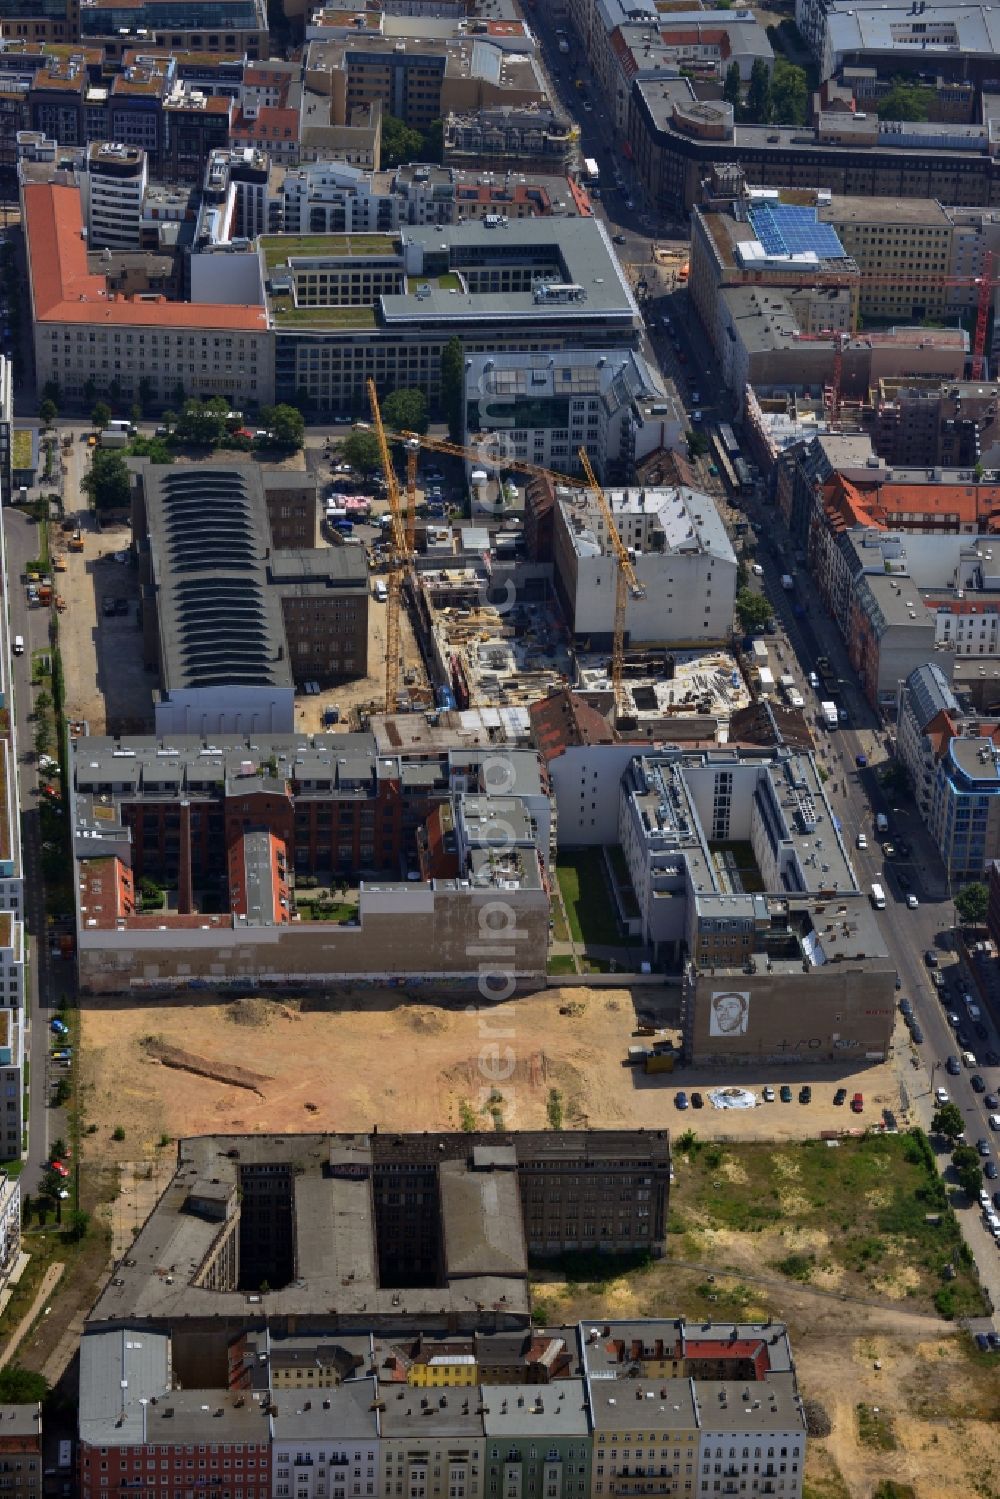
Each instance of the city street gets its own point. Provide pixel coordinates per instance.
(857, 796)
(46, 982)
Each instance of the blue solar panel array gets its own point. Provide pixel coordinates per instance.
(787, 229)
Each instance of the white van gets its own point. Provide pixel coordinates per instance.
(878, 897)
(18, 645)
(380, 591)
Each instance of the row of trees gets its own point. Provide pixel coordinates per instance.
(777, 96)
(948, 1122)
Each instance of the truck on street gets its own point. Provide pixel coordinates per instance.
(829, 712)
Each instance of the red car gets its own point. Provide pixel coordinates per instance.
(59, 1168)
(858, 1103)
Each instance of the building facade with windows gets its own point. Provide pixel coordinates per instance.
(647, 1407)
(21, 1458)
(86, 337)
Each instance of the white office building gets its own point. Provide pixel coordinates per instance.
(114, 188)
(683, 559)
(542, 408)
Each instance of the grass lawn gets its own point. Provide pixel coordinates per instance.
(280, 248)
(21, 448)
(585, 896)
(561, 962)
(286, 314)
(560, 931)
(870, 1199)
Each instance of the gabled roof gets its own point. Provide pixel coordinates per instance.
(562, 720)
(65, 290)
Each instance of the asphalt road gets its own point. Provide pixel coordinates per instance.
(21, 540)
(856, 796)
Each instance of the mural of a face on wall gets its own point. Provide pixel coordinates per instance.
(730, 1013)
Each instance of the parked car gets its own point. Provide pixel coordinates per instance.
(978, 1085)
(862, 840)
(857, 1103)
(990, 1171)
(768, 1095)
(940, 1095)
(983, 1146)
(805, 1094)
(861, 761)
(697, 1102)
(931, 958)
(840, 1097)
(906, 1007)
(953, 1066)
(917, 1034)
(786, 1093)
(680, 1100)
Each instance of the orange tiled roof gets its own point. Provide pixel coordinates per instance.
(65, 291)
(847, 504)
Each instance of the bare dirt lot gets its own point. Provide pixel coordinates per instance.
(106, 682)
(354, 1060)
(350, 1060)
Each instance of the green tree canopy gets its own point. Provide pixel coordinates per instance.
(972, 903)
(758, 104)
(106, 482)
(47, 413)
(905, 101)
(731, 89)
(453, 387)
(752, 610)
(405, 410)
(101, 415)
(203, 422)
(286, 425)
(948, 1121)
(789, 94)
(400, 142)
(361, 451)
(20, 1386)
(968, 1169)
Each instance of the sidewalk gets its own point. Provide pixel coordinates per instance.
(49, 1282)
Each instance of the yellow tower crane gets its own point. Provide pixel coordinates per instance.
(398, 559)
(626, 581)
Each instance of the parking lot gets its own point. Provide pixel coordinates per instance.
(99, 633)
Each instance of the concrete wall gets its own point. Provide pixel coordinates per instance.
(411, 934)
(841, 1013)
(688, 598)
(586, 782)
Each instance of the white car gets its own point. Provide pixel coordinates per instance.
(757, 570)
(941, 1095)
(862, 840)
(912, 902)
(813, 679)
